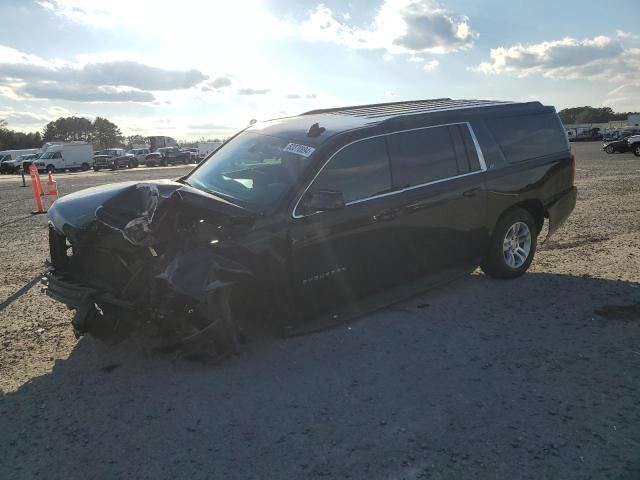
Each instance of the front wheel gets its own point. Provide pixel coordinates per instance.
(51, 169)
(513, 245)
(610, 149)
(84, 167)
(636, 150)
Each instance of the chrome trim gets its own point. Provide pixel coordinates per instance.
(483, 167)
(412, 187)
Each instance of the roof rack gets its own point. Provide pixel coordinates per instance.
(414, 107)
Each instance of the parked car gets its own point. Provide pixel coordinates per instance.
(113, 158)
(9, 158)
(297, 216)
(194, 155)
(62, 156)
(616, 146)
(15, 165)
(167, 155)
(139, 153)
(633, 143)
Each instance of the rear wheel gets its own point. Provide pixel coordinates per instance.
(132, 164)
(96, 169)
(51, 169)
(84, 167)
(636, 150)
(512, 245)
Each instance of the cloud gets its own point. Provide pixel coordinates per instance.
(399, 27)
(83, 93)
(220, 82)
(600, 57)
(114, 81)
(216, 84)
(430, 28)
(625, 98)
(251, 91)
(137, 75)
(431, 65)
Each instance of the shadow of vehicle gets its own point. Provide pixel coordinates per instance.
(476, 379)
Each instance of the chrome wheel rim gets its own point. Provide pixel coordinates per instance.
(516, 245)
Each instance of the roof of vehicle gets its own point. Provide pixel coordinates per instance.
(341, 119)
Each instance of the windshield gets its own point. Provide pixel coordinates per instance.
(48, 155)
(4, 157)
(253, 170)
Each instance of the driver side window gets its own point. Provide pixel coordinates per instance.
(359, 171)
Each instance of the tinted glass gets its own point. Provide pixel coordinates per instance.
(423, 156)
(359, 171)
(528, 136)
(254, 170)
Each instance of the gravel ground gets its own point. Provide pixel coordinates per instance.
(537, 377)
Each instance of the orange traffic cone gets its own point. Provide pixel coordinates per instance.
(52, 189)
(37, 189)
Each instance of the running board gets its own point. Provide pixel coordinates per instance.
(377, 301)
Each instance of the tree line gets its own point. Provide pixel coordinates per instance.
(102, 133)
(12, 140)
(577, 115)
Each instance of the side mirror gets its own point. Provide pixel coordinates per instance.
(322, 200)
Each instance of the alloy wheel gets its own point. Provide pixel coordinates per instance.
(516, 245)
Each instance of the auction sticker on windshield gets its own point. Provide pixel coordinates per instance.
(298, 149)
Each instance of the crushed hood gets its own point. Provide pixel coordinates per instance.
(131, 207)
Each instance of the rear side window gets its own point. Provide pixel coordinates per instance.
(525, 137)
(430, 154)
(359, 171)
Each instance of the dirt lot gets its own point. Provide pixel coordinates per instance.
(533, 378)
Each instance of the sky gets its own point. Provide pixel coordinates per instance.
(203, 69)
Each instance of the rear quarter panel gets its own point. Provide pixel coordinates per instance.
(544, 179)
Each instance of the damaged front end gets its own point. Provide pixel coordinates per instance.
(159, 255)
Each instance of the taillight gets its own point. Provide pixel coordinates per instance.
(572, 159)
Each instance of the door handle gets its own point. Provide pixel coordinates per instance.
(471, 192)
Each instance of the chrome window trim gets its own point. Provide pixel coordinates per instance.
(483, 167)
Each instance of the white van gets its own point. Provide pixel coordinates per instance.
(66, 156)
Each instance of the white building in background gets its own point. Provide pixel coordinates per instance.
(633, 120)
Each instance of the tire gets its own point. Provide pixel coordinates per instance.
(51, 169)
(131, 164)
(115, 166)
(85, 167)
(636, 150)
(512, 246)
(96, 169)
(610, 149)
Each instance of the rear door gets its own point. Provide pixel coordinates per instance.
(440, 217)
(339, 255)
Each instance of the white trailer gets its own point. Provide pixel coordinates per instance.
(66, 156)
(205, 148)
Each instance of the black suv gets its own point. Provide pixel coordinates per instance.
(303, 214)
